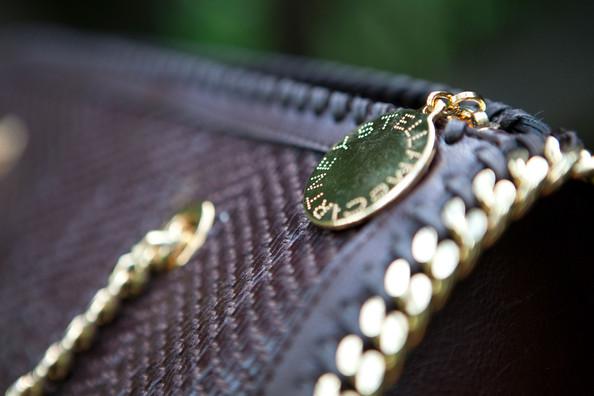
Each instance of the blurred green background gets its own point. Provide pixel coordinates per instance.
(536, 55)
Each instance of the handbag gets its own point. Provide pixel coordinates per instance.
(123, 134)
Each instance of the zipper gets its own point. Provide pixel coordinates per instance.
(299, 96)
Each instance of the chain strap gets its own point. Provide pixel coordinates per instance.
(369, 362)
(160, 250)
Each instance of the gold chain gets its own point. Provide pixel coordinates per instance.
(467, 106)
(393, 333)
(584, 167)
(164, 249)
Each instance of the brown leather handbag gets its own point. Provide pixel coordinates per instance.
(122, 135)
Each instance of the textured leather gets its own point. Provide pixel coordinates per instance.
(122, 134)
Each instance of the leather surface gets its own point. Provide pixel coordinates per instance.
(94, 183)
(115, 148)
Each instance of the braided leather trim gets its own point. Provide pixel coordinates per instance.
(394, 321)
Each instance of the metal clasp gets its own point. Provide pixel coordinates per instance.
(467, 106)
(183, 235)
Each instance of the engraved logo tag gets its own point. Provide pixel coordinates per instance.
(369, 168)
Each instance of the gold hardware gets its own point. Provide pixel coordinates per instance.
(445, 261)
(371, 316)
(370, 376)
(27, 385)
(349, 185)
(192, 225)
(584, 167)
(442, 270)
(468, 229)
(103, 307)
(397, 278)
(327, 385)
(56, 363)
(467, 106)
(530, 175)
(348, 355)
(424, 244)
(169, 247)
(394, 333)
(560, 163)
(79, 334)
(418, 295)
(496, 199)
(416, 304)
(381, 159)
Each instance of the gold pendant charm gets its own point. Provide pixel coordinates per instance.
(380, 160)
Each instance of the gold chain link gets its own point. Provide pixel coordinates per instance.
(466, 106)
(584, 167)
(163, 249)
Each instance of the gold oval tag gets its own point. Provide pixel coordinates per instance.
(369, 168)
